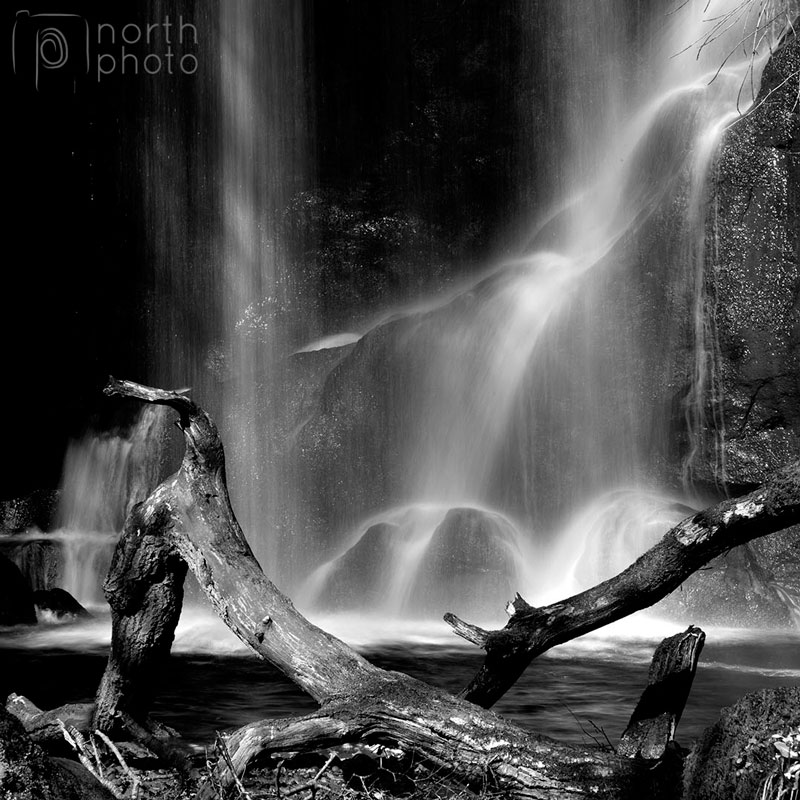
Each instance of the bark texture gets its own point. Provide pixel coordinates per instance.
(144, 588)
(43, 726)
(472, 746)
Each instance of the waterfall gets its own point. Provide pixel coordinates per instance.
(262, 134)
(553, 385)
(532, 408)
(104, 475)
(222, 155)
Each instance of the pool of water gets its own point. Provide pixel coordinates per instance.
(578, 692)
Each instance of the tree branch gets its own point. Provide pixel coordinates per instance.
(683, 550)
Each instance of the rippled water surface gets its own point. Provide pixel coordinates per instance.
(578, 692)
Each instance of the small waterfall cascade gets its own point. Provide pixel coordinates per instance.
(553, 383)
(104, 476)
(262, 135)
(412, 561)
(221, 161)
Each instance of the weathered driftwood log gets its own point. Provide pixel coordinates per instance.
(43, 726)
(470, 745)
(658, 712)
(359, 701)
(682, 551)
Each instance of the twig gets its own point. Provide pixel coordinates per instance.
(78, 744)
(222, 749)
(134, 779)
(312, 784)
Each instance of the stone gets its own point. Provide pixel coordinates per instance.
(39, 560)
(355, 579)
(26, 773)
(469, 566)
(59, 602)
(754, 273)
(35, 510)
(734, 757)
(743, 588)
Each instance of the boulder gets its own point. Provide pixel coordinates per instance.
(470, 564)
(59, 602)
(26, 773)
(734, 757)
(39, 560)
(348, 447)
(355, 579)
(739, 589)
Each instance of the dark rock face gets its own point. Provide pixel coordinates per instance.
(59, 602)
(348, 449)
(40, 561)
(16, 600)
(36, 510)
(734, 757)
(352, 417)
(754, 272)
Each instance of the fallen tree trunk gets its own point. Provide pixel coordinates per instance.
(44, 727)
(682, 551)
(190, 515)
(470, 745)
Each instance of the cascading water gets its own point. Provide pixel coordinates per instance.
(543, 395)
(225, 307)
(105, 474)
(545, 388)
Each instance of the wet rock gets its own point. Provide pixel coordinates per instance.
(754, 274)
(780, 554)
(22, 521)
(59, 602)
(739, 589)
(469, 566)
(26, 773)
(16, 599)
(347, 451)
(734, 757)
(356, 578)
(39, 560)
